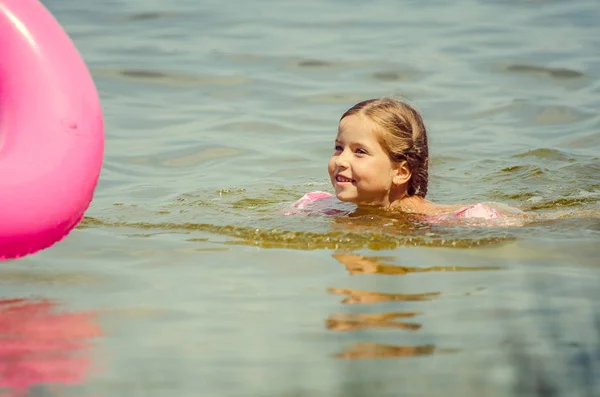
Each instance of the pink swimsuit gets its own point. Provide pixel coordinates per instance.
(323, 203)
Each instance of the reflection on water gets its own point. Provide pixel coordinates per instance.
(341, 322)
(356, 296)
(376, 350)
(363, 321)
(356, 322)
(358, 264)
(40, 345)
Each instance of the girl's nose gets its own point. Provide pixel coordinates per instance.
(341, 161)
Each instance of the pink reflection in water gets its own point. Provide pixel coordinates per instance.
(41, 345)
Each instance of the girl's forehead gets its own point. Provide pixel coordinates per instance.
(356, 125)
(352, 121)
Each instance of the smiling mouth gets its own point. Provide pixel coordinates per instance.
(342, 179)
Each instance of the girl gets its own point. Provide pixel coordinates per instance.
(381, 159)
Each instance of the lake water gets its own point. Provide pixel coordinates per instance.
(184, 279)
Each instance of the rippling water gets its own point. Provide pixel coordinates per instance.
(185, 279)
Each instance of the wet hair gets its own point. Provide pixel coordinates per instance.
(402, 135)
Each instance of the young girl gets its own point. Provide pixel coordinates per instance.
(381, 159)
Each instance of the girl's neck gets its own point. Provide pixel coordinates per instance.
(419, 205)
(410, 204)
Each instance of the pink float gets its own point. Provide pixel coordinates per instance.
(51, 131)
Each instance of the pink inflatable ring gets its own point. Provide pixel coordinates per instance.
(51, 130)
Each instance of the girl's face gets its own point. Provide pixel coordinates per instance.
(360, 170)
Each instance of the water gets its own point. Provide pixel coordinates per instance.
(185, 280)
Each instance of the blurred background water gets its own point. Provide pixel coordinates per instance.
(184, 279)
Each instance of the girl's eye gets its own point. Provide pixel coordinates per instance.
(338, 148)
(361, 151)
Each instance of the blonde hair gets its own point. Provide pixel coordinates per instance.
(402, 135)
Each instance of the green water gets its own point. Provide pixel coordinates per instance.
(219, 114)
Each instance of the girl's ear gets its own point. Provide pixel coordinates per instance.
(401, 174)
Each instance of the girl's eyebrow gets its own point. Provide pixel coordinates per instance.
(353, 143)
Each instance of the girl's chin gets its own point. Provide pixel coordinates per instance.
(350, 198)
(346, 197)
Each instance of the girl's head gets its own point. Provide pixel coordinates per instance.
(381, 153)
